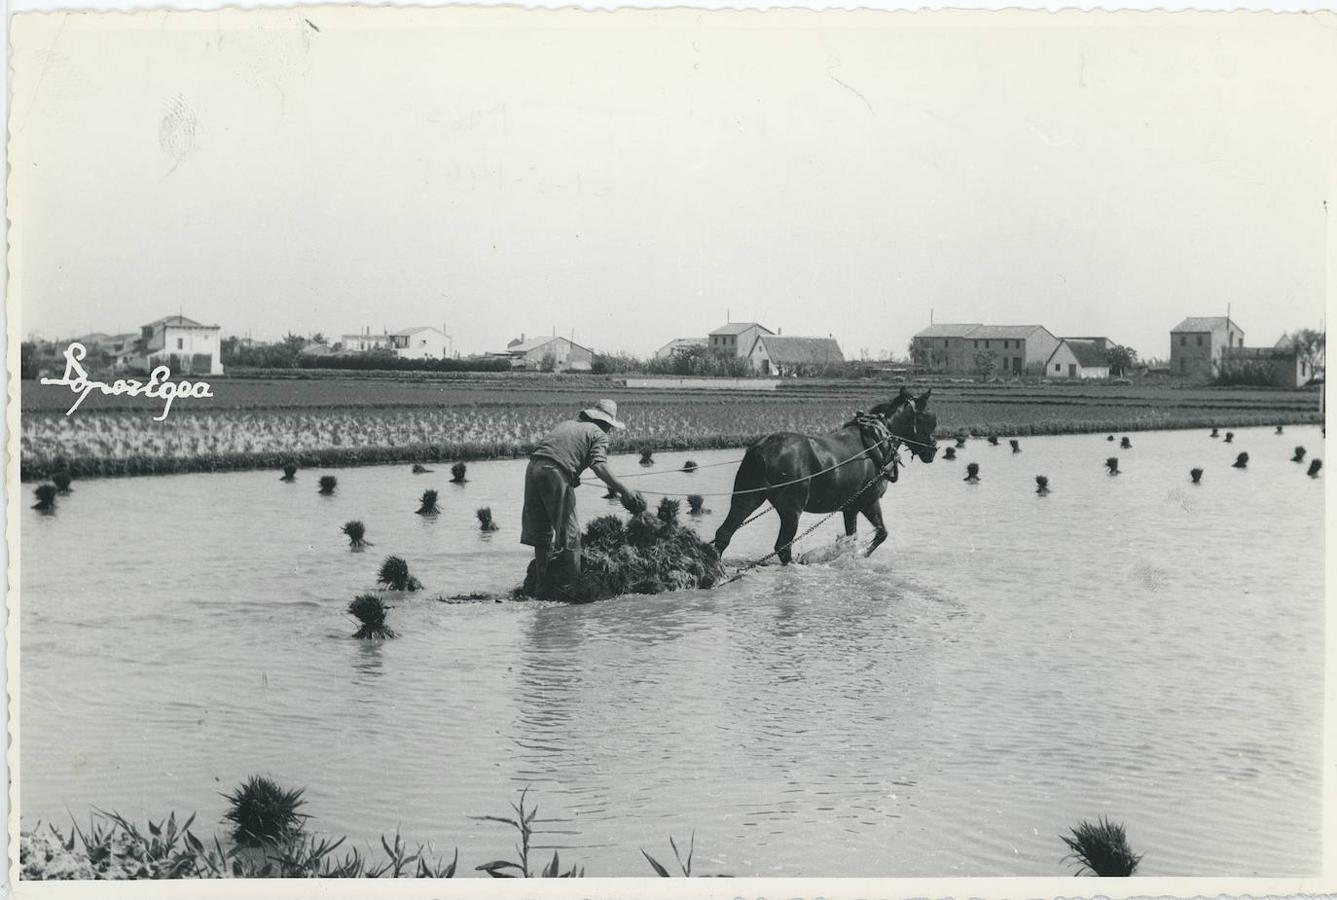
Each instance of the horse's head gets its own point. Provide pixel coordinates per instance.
(908, 418)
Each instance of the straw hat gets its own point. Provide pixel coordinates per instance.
(604, 411)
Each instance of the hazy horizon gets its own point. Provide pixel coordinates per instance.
(634, 177)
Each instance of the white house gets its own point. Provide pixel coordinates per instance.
(772, 354)
(736, 338)
(1078, 358)
(534, 353)
(364, 342)
(421, 342)
(183, 345)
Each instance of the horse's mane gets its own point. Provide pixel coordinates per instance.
(885, 410)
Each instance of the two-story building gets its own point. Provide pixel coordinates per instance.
(183, 345)
(736, 338)
(957, 348)
(678, 346)
(1197, 343)
(421, 342)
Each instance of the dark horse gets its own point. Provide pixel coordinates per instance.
(792, 462)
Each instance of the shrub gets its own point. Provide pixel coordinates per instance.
(261, 812)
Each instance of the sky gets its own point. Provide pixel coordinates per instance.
(627, 178)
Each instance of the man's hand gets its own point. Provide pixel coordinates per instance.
(633, 502)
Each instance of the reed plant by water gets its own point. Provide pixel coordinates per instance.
(356, 532)
(262, 812)
(1101, 848)
(684, 864)
(427, 504)
(394, 574)
(328, 484)
(523, 822)
(370, 611)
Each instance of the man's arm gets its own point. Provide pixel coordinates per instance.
(629, 497)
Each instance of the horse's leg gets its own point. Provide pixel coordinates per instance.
(789, 503)
(851, 522)
(743, 505)
(873, 513)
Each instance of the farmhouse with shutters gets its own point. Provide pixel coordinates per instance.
(957, 349)
(183, 345)
(736, 338)
(1197, 343)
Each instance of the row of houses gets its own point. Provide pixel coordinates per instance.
(767, 352)
(1200, 347)
(185, 346)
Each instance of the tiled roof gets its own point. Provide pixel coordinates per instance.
(739, 328)
(1197, 324)
(801, 350)
(179, 322)
(1088, 353)
(947, 331)
(1005, 331)
(535, 343)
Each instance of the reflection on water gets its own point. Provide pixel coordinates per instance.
(1004, 666)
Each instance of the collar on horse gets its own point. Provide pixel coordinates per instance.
(882, 446)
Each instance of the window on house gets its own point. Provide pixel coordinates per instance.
(1058, 367)
(180, 343)
(1183, 340)
(1199, 340)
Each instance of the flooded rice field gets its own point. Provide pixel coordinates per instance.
(1006, 665)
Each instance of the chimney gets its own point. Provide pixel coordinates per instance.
(779, 331)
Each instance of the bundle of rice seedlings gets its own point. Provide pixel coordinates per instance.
(1299, 455)
(689, 466)
(262, 813)
(62, 482)
(1041, 484)
(695, 504)
(327, 484)
(427, 505)
(420, 469)
(1101, 849)
(485, 522)
(949, 453)
(1125, 444)
(1112, 464)
(1110, 438)
(355, 531)
(1230, 436)
(1016, 446)
(289, 472)
(395, 575)
(646, 555)
(668, 510)
(457, 473)
(993, 440)
(370, 611)
(1241, 462)
(960, 441)
(1196, 475)
(1279, 431)
(972, 472)
(1216, 432)
(647, 456)
(1314, 466)
(46, 497)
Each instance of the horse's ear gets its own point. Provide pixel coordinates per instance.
(922, 400)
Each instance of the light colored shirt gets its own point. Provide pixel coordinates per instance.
(575, 446)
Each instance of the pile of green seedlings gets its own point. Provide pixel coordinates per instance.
(648, 554)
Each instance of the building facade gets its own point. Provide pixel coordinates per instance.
(1078, 358)
(959, 348)
(365, 342)
(736, 338)
(1285, 365)
(677, 346)
(183, 345)
(1198, 342)
(537, 354)
(421, 342)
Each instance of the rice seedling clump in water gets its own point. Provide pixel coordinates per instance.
(62, 482)
(261, 812)
(1101, 849)
(1112, 464)
(356, 531)
(1314, 466)
(689, 466)
(485, 522)
(1041, 484)
(457, 473)
(289, 472)
(370, 611)
(972, 472)
(395, 575)
(46, 498)
(427, 505)
(1241, 461)
(1299, 455)
(327, 484)
(420, 469)
(647, 456)
(695, 504)
(1196, 475)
